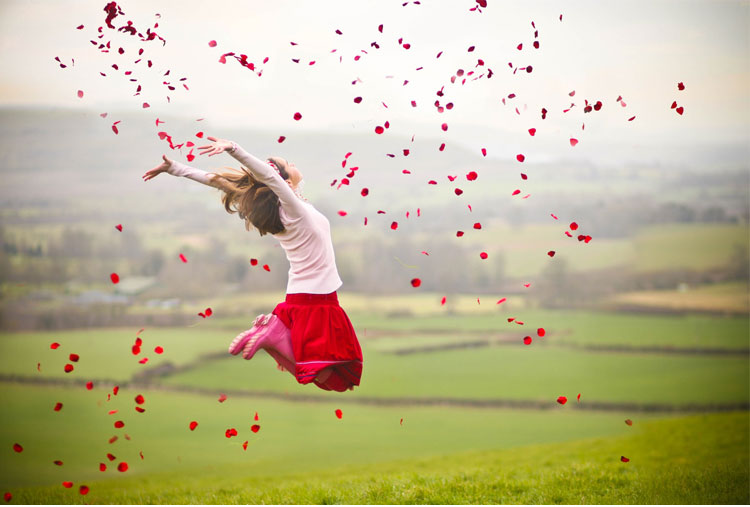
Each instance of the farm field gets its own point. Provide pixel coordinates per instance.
(696, 459)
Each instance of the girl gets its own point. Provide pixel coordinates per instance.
(309, 334)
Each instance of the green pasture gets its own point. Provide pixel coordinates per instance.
(508, 372)
(732, 297)
(688, 460)
(294, 437)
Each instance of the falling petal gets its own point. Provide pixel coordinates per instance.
(89, 385)
(501, 300)
(527, 340)
(624, 459)
(339, 413)
(442, 301)
(540, 332)
(80, 94)
(680, 86)
(244, 445)
(297, 116)
(122, 467)
(628, 422)
(193, 425)
(67, 484)
(562, 400)
(54, 345)
(140, 399)
(58, 406)
(255, 428)
(416, 282)
(159, 350)
(119, 424)
(114, 277)
(17, 448)
(342, 213)
(680, 110)
(520, 157)
(68, 368)
(183, 258)
(483, 255)
(222, 398)
(551, 253)
(573, 141)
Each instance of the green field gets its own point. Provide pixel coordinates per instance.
(432, 442)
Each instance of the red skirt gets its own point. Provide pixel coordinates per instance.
(322, 337)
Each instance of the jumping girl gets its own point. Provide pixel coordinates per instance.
(308, 334)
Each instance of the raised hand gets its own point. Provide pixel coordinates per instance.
(156, 171)
(216, 147)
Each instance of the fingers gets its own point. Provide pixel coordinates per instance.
(211, 138)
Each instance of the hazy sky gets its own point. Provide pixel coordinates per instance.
(637, 49)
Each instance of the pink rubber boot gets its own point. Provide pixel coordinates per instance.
(241, 340)
(274, 336)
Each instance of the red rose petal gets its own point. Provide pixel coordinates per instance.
(624, 459)
(339, 413)
(540, 332)
(551, 253)
(209, 312)
(628, 422)
(680, 110)
(68, 368)
(135, 349)
(111, 457)
(680, 86)
(471, 176)
(573, 226)
(297, 116)
(8, 497)
(80, 94)
(144, 360)
(58, 406)
(253, 262)
(365, 192)
(442, 147)
(281, 139)
(102, 467)
(119, 424)
(58, 462)
(230, 432)
(122, 467)
(516, 192)
(244, 445)
(357, 100)
(255, 428)
(83, 490)
(442, 301)
(193, 425)
(477, 226)
(67, 484)
(579, 397)
(416, 282)
(17, 448)
(115, 390)
(256, 416)
(266, 267)
(118, 227)
(459, 234)
(527, 340)
(159, 350)
(562, 400)
(573, 141)
(222, 398)
(115, 278)
(183, 258)
(501, 300)
(520, 157)
(74, 357)
(483, 255)
(458, 191)
(212, 43)
(444, 126)
(140, 399)
(532, 132)
(379, 130)
(342, 213)
(394, 226)
(54, 345)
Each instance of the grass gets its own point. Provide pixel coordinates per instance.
(294, 438)
(690, 460)
(720, 298)
(510, 372)
(687, 246)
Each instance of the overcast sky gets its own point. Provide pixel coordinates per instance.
(639, 50)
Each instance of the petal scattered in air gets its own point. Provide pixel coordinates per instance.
(477, 225)
(540, 332)
(680, 86)
(562, 400)
(118, 227)
(297, 116)
(212, 43)
(379, 129)
(159, 350)
(244, 445)
(67, 484)
(114, 277)
(102, 467)
(551, 253)
(339, 413)
(357, 100)
(532, 132)
(624, 459)
(444, 126)
(68, 368)
(222, 398)
(111, 457)
(578, 398)
(119, 424)
(18, 447)
(193, 425)
(54, 345)
(266, 267)
(342, 213)
(89, 385)
(442, 301)
(483, 255)
(628, 422)
(255, 428)
(58, 406)
(680, 110)
(527, 340)
(501, 300)
(140, 399)
(183, 258)
(80, 94)
(573, 141)
(520, 157)
(122, 467)
(416, 282)
(516, 192)
(281, 139)
(394, 225)
(471, 176)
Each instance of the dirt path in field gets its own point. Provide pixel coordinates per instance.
(354, 399)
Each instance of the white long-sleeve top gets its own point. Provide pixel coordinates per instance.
(306, 238)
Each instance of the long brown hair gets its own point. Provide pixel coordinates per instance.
(252, 200)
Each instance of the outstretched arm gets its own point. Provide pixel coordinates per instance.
(179, 169)
(262, 171)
